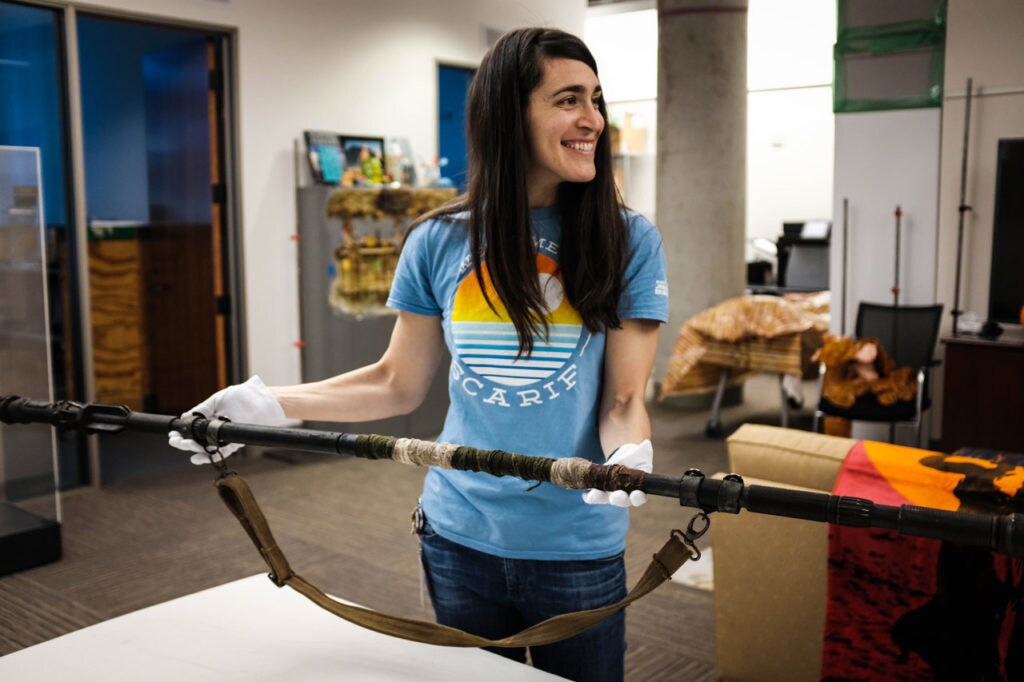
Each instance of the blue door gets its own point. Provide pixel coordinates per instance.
(452, 87)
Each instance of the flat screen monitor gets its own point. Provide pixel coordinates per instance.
(1006, 287)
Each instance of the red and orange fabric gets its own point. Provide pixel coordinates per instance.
(908, 608)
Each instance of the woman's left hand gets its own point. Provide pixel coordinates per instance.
(636, 456)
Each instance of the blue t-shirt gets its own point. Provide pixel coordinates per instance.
(545, 404)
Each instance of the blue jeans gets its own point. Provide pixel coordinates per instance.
(494, 597)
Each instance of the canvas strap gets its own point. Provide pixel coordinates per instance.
(236, 494)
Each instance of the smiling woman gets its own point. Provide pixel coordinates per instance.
(548, 294)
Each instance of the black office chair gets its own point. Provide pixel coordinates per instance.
(908, 334)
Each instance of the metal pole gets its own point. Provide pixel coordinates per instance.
(846, 243)
(961, 209)
(895, 350)
(896, 282)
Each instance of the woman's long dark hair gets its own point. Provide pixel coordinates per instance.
(592, 253)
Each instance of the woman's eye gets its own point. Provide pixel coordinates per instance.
(570, 100)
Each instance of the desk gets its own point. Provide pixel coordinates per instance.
(983, 394)
(247, 630)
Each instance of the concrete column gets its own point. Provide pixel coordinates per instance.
(702, 119)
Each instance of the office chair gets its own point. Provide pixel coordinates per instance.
(908, 333)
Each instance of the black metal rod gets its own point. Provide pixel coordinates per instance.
(896, 276)
(1001, 533)
(961, 209)
(895, 351)
(846, 244)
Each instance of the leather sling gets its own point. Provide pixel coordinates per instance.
(236, 494)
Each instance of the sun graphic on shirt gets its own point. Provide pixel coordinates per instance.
(487, 343)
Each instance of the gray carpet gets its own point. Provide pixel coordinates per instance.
(344, 523)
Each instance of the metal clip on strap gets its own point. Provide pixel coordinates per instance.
(690, 535)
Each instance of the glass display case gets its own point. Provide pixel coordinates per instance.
(29, 503)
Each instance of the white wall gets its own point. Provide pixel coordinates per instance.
(983, 42)
(789, 106)
(790, 140)
(625, 46)
(624, 40)
(346, 65)
(789, 113)
(885, 159)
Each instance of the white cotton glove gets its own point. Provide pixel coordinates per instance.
(248, 403)
(636, 456)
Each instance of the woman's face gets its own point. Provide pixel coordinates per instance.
(563, 123)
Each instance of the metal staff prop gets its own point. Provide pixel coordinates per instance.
(1001, 533)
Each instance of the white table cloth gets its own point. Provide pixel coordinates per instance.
(247, 630)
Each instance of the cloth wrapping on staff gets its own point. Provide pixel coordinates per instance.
(755, 333)
(909, 608)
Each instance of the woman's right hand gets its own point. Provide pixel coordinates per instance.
(248, 403)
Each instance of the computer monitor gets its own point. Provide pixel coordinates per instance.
(1006, 286)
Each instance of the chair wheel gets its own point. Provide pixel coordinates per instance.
(713, 429)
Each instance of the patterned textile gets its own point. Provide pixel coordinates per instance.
(908, 608)
(746, 334)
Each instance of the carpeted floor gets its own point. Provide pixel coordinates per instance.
(344, 523)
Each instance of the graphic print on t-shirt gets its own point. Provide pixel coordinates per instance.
(487, 344)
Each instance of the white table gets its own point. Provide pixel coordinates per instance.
(247, 630)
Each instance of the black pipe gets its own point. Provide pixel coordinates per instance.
(962, 208)
(1000, 533)
(846, 244)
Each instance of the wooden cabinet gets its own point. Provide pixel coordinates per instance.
(983, 394)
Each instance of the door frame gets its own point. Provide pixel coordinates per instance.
(227, 38)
